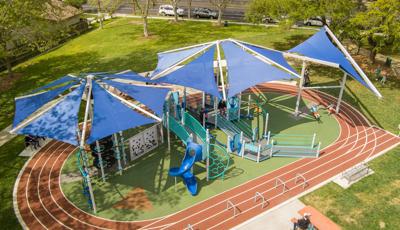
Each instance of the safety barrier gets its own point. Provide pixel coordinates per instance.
(230, 205)
(302, 178)
(263, 200)
(279, 182)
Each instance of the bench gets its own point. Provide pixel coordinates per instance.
(318, 220)
(356, 173)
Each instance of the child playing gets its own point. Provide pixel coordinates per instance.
(314, 111)
(331, 109)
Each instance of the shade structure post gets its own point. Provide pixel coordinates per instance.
(203, 100)
(123, 147)
(82, 139)
(220, 71)
(215, 111)
(248, 105)
(313, 140)
(343, 85)
(300, 89)
(103, 177)
(207, 146)
(240, 102)
(268, 137)
(184, 99)
(258, 153)
(168, 133)
(161, 132)
(266, 124)
(118, 153)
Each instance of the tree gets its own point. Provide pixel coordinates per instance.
(380, 25)
(175, 6)
(221, 5)
(23, 22)
(144, 11)
(189, 8)
(76, 3)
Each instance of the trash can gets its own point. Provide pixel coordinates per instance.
(388, 62)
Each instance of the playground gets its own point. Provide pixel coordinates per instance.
(181, 158)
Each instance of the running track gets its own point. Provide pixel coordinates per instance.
(40, 203)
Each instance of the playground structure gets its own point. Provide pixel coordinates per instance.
(242, 138)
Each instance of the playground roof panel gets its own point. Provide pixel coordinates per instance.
(168, 59)
(274, 55)
(111, 116)
(25, 106)
(129, 75)
(320, 46)
(198, 74)
(55, 83)
(153, 98)
(245, 70)
(61, 121)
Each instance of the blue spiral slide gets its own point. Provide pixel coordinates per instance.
(193, 154)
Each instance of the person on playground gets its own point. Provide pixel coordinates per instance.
(314, 111)
(307, 81)
(331, 109)
(222, 107)
(303, 223)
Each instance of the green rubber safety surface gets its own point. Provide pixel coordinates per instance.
(145, 190)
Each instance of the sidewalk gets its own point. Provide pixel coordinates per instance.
(5, 135)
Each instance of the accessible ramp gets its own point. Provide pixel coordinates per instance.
(193, 154)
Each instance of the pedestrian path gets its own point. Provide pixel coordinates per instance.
(6, 136)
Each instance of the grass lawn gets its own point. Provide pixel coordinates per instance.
(120, 46)
(154, 190)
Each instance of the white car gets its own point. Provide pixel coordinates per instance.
(316, 21)
(168, 10)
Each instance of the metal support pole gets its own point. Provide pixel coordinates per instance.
(123, 148)
(258, 153)
(184, 99)
(103, 177)
(343, 85)
(248, 107)
(303, 69)
(215, 111)
(208, 154)
(268, 137)
(82, 139)
(240, 105)
(118, 153)
(162, 133)
(271, 149)
(266, 124)
(175, 184)
(168, 133)
(220, 71)
(319, 147)
(203, 101)
(313, 140)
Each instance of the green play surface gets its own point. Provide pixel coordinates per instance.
(145, 190)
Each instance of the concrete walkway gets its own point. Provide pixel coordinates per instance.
(276, 219)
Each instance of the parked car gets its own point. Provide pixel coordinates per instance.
(204, 13)
(268, 20)
(316, 21)
(168, 10)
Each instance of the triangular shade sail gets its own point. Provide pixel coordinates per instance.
(25, 106)
(166, 60)
(130, 75)
(56, 82)
(273, 55)
(245, 70)
(111, 116)
(319, 46)
(153, 98)
(198, 74)
(61, 121)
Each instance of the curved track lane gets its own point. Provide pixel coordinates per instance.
(41, 204)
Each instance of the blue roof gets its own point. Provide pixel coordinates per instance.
(166, 60)
(25, 106)
(151, 97)
(274, 55)
(198, 74)
(130, 75)
(319, 46)
(245, 70)
(111, 116)
(61, 121)
(56, 82)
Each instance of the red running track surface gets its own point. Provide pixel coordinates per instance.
(40, 203)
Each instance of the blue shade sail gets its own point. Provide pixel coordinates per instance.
(166, 60)
(319, 46)
(127, 76)
(273, 55)
(56, 82)
(111, 116)
(151, 97)
(61, 121)
(25, 106)
(198, 74)
(245, 70)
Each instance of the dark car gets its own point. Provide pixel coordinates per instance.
(204, 13)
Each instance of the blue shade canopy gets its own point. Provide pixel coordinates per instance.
(166, 60)
(25, 106)
(153, 98)
(61, 121)
(319, 46)
(56, 82)
(245, 70)
(198, 74)
(276, 56)
(111, 116)
(130, 75)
